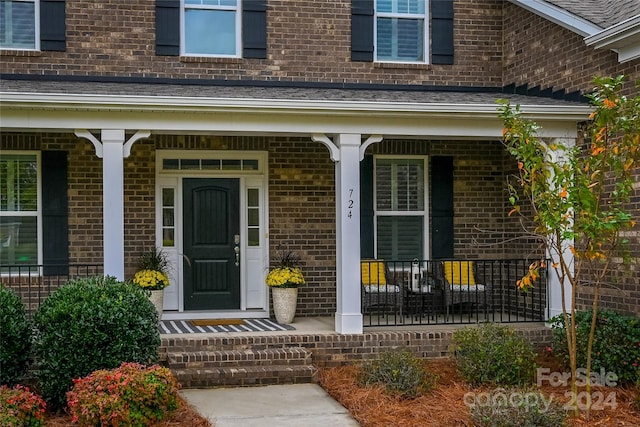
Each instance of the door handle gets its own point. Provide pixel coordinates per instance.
(236, 248)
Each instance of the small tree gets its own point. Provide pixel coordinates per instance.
(578, 197)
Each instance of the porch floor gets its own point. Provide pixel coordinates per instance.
(326, 325)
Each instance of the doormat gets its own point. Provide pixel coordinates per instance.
(213, 322)
(246, 325)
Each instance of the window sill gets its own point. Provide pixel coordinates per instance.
(18, 52)
(210, 59)
(402, 66)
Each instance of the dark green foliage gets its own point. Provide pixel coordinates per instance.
(400, 372)
(15, 337)
(616, 347)
(494, 354)
(90, 324)
(516, 408)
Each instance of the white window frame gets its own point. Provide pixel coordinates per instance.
(183, 30)
(424, 213)
(425, 32)
(38, 212)
(36, 27)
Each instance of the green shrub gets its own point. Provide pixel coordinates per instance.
(616, 347)
(515, 407)
(15, 338)
(131, 395)
(637, 402)
(493, 354)
(90, 324)
(20, 407)
(400, 372)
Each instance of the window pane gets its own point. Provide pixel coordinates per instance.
(250, 165)
(210, 32)
(17, 24)
(213, 2)
(168, 237)
(400, 237)
(189, 164)
(170, 164)
(18, 183)
(252, 196)
(231, 165)
(167, 197)
(401, 6)
(400, 185)
(253, 219)
(18, 240)
(253, 237)
(210, 164)
(400, 39)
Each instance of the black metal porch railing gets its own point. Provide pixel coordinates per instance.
(423, 292)
(34, 283)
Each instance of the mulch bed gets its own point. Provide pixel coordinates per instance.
(184, 416)
(444, 406)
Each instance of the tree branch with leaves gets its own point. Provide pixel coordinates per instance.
(577, 197)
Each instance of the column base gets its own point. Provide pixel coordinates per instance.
(349, 323)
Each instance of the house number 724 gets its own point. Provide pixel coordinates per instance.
(350, 204)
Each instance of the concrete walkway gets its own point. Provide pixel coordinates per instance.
(276, 405)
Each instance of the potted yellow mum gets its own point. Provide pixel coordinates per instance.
(152, 276)
(284, 279)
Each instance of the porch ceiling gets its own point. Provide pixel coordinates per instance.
(170, 108)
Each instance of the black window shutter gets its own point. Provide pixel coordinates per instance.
(52, 25)
(168, 27)
(55, 223)
(366, 207)
(442, 32)
(362, 13)
(442, 207)
(254, 29)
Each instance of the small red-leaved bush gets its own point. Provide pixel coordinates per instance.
(20, 407)
(131, 395)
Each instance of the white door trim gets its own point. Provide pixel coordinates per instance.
(253, 260)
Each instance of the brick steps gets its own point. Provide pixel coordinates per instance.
(245, 367)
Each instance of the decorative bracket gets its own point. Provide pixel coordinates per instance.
(371, 140)
(334, 151)
(83, 133)
(136, 136)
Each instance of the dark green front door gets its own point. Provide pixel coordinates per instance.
(211, 233)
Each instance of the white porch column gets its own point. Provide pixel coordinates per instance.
(348, 309)
(555, 284)
(113, 201)
(113, 149)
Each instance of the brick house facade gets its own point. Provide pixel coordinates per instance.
(304, 107)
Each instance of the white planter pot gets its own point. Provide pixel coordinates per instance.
(157, 298)
(284, 303)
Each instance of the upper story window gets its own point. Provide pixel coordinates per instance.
(18, 24)
(215, 28)
(401, 26)
(32, 25)
(211, 27)
(402, 31)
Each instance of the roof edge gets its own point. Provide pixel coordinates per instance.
(623, 37)
(562, 17)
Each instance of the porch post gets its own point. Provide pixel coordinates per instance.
(348, 309)
(555, 284)
(113, 201)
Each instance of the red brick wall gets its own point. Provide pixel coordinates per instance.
(308, 40)
(539, 52)
(301, 198)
